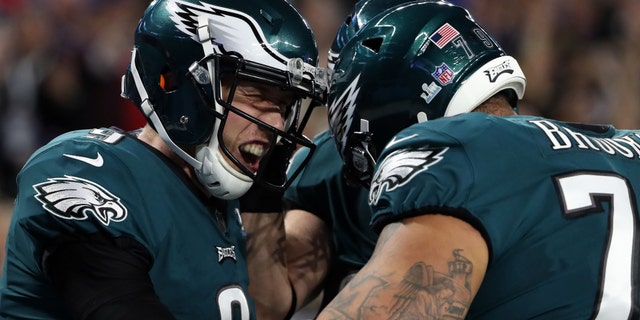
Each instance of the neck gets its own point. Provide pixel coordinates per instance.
(152, 138)
(497, 106)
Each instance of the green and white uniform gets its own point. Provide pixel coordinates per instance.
(108, 189)
(557, 204)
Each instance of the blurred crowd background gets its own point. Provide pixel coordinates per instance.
(61, 62)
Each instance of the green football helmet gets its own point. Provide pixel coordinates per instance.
(412, 63)
(363, 11)
(185, 48)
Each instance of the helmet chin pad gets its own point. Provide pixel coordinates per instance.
(218, 176)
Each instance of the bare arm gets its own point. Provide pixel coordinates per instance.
(302, 256)
(268, 278)
(427, 267)
(308, 253)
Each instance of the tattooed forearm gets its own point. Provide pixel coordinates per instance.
(423, 293)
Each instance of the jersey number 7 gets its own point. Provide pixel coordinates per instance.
(583, 193)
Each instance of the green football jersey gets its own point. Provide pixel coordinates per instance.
(104, 181)
(557, 204)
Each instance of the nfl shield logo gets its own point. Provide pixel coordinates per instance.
(443, 74)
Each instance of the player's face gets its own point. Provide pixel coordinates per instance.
(247, 141)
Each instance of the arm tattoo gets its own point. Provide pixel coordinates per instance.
(423, 293)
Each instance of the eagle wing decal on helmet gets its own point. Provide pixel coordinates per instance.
(73, 198)
(341, 113)
(230, 28)
(400, 167)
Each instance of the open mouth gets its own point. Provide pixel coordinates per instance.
(251, 154)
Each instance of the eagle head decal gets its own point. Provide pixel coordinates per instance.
(400, 167)
(74, 198)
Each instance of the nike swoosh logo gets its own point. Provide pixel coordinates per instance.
(96, 162)
(394, 140)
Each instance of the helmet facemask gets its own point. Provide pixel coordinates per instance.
(199, 140)
(229, 71)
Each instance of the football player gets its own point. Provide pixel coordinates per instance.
(327, 220)
(328, 237)
(482, 214)
(146, 225)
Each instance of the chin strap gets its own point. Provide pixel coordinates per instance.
(204, 35)
(217, 175)
(212, 169)
(150, 113)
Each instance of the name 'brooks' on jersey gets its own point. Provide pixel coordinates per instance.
(561, 199)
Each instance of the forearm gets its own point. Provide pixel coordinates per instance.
(269, 281)
(308, 253)
(435, 261)
(277, 261)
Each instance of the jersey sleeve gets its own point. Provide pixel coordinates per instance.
(419, 176)
(80, 185)
(469, 166)
(78, 210)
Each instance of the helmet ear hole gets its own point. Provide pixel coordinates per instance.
(162, 83)
(348, 20)
(373, 44)
(167, 80)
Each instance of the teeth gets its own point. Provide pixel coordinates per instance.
(257, 150)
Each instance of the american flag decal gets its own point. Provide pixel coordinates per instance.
(443, 35)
